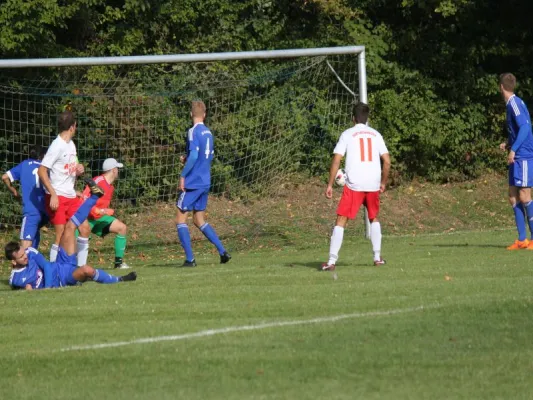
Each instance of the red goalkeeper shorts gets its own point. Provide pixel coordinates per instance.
(351, 201)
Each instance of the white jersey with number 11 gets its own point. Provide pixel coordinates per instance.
(363, 147)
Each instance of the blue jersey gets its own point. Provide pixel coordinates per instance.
(201, 140)
(33, 273)
(32, 191)
(518, 116)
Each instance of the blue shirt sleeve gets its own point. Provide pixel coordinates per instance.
(14, 173)
(191, 159)
(44, 265)
(522, 135)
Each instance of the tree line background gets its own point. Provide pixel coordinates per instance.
(432, 65)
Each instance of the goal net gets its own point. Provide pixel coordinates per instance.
(275, 123)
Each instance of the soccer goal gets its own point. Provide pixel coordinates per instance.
(276, 116)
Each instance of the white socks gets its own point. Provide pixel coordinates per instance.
(375, 238)
(83, 250)
(335, 244)
(53, 252)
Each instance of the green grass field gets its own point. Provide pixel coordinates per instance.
(449, 317)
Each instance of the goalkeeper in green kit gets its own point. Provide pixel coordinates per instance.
(101, 217)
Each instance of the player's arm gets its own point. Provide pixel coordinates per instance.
(28, 287)
(523, 129)
(335, 165)
(44, 265)
(11, 176)
(385, 170)
(7, 181)
(46, 164)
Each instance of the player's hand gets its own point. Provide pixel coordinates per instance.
(14, 191)
(107, 211)
(183, 159)
(54, 202)
(510, 157)
(80, 169)
(329, 192)
(382, 188)
(503, 146)
(182, 184)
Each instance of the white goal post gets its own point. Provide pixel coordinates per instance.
(209, 57)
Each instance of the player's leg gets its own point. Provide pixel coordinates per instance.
(58, 219)
(348, 207)
(372, 204)
(86, 272)
(206, 229)
(515, 181)
(43, 221)
(121, 230)
(79, 221)
(26, 237)
(184, 236)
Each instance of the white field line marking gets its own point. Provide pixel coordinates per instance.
(230, 329)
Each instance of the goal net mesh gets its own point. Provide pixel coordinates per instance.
(275, 124)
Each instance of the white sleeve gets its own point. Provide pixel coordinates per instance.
(340, 148)
(382, 147)
(51, 155)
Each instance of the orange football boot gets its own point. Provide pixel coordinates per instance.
(518, 245)
(530, 245)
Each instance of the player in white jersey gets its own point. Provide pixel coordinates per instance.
(365, 151)
(61, 200)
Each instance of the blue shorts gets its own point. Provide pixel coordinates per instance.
(66, 265)
(31, 224)
(193, 200)
(521, 173)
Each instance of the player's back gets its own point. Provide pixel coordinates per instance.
(32, 190)
(200, 139)
(364, 147)
(518, 115)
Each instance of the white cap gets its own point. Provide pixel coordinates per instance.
(111, 163)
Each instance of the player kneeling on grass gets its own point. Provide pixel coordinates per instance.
(32, 271)
(101, 219)
(365, 180)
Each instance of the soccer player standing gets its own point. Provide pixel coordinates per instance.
(519, 159)
(195, 181)
(33, 210)
(61, 201)
(365, 149)
(101, 219)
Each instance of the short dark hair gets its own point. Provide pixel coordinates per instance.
(11, 247)
(360, 113)
(508, 81)
(36, 152)
(66, 120)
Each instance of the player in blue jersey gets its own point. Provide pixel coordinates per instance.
(519, 159)
(195, 182)
(31, 270)
(34, 215)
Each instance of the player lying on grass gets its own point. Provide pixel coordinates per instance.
(32, 271)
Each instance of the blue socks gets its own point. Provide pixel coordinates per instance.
(529, 214)
(520, 220)
(210, 234)
(84, 210)
(185, 240)
(101, 276)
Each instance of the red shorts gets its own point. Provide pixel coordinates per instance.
(351, 202)
(67, 208)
